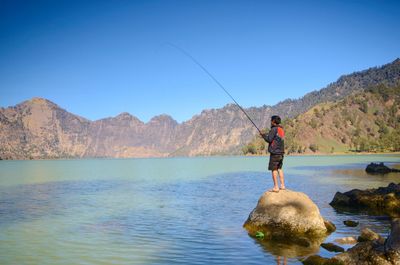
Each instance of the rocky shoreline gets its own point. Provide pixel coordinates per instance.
(291, 217)
(371, 249)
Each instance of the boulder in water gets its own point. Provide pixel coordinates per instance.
(290, 216)
(379, 168)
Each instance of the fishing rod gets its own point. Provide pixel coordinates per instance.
(216, 81)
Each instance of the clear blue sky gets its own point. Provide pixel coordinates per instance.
(100, 58)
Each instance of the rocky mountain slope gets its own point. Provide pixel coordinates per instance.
(38, 128)
(367, 121)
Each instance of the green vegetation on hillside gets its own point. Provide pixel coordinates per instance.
(367, 121)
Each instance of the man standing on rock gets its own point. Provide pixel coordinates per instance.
(276, 148)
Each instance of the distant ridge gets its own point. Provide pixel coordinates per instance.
(388, 74)
(38, 128)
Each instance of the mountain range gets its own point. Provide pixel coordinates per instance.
(40, 129)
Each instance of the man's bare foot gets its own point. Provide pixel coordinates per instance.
(282, 188)
(274, 190)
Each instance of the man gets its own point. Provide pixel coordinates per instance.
(276, 148)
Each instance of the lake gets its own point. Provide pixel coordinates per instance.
(165, 211)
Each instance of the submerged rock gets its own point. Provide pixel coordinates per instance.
(369, 235)
(350, 223)
(332, 247)
(384, 200)
(330, 226)
(318, 260)
(350, 240)
(289, 216)
(379, 168)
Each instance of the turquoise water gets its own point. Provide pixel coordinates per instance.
(164, 211)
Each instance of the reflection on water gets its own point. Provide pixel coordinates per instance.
(289, 250)
(165, 211)
(281, 260)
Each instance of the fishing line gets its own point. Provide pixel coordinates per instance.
(215, 80)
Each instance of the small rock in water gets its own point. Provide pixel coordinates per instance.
(350, 240)
(368, 235)
(331, 227)
(332, 247)
(350, 223)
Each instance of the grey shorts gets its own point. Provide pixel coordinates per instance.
(275, 162)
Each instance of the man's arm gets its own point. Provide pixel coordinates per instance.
(270, 136)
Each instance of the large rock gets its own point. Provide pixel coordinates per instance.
(384, 200)
(379, 168)
(288, 215)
